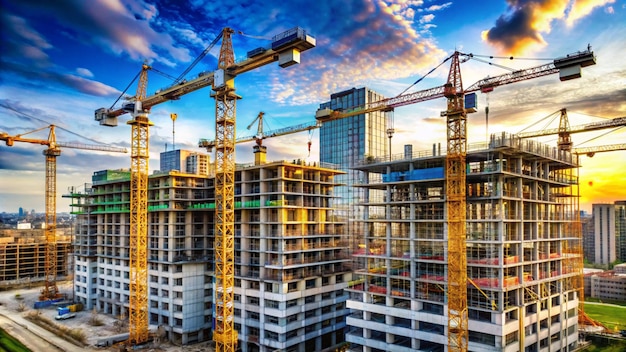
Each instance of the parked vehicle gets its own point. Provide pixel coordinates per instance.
(65, 316)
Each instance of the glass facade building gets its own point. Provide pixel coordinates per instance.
(346, 141)
(186, 161)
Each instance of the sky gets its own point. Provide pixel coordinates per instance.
(61, 60)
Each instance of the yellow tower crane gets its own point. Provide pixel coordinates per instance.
(568, 67)
(564, 143)
(50, 290)
(259, 148)
(285, 48)
(564, 130)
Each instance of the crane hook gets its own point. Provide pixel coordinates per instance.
(309, 143)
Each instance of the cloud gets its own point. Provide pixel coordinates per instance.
(427, 18)
(26, 113)
(121, 26)
(439, 7)
(522, 29)
(21, 41)
(43, 79)
(582, 8)
(375, 40)
(84, 72)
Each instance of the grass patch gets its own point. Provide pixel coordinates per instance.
(614, 318)
(9, 344)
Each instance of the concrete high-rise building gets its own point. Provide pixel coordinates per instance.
(620, 230)
(291, 261)
(186, 161)
(522, 268)
(348, 140)
(604, 233)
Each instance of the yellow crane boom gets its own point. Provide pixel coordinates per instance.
(50, 290)
(591, 151)
(307, 126)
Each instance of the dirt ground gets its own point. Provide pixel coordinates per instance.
(13, 300)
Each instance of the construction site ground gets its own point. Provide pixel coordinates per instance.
(13, 321)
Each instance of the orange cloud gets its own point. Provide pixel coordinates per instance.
(582, 8)
(522, 29)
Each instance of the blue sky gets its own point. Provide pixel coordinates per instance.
(60, 60)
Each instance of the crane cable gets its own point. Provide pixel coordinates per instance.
(553, 115)
(424, 76)
(200, 57)
(49, 124)
(253, 36)
(125, 89)
(602, 135)
(475, 57)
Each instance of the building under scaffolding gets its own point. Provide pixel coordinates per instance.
(523, 251)
(23, 260)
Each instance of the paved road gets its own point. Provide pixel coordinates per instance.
(33, 336)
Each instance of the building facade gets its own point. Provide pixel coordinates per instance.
(186, 161)
(523, 273)
(620, 230)
(23, 256)
(347, 140)
(608, 285)
(291, 261)
(588, 233)
(604, 234)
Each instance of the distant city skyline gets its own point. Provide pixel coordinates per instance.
(56, 69)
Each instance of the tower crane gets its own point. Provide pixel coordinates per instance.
(564, 130)
(568, 67)
(259, 149)
(285, 49)
(50, 290)
(564, 143)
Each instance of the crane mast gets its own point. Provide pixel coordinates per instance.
(139, 156)
(456, 126)
(225, 335)
(50, 290)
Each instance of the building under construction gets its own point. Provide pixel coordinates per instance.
(23, 256)
(523, 254)
(291, 266)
